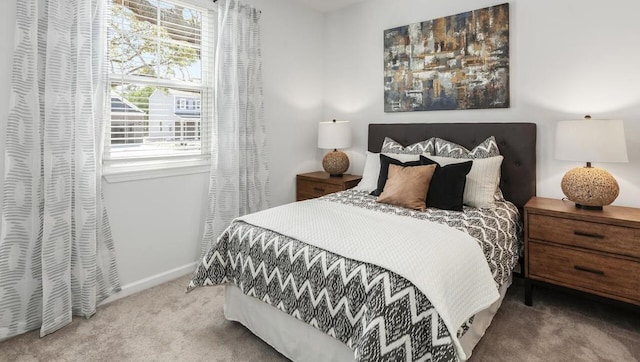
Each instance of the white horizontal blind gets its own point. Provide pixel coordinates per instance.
(160, 98)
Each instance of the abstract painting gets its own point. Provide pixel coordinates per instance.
(455, 62)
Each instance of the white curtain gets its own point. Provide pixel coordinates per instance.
(239, 176)
(56, 253)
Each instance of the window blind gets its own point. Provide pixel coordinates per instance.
(161, 96)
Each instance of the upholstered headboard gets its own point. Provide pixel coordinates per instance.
(517, 143)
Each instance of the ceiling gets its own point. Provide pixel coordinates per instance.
(328, 5)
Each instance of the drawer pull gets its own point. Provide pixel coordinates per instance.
(318, 189)
(588, 270)
(589, 235)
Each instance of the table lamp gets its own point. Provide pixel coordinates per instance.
(334, 135)
(590, 140)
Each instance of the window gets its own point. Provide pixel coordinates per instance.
(158, 55)
(182, 103)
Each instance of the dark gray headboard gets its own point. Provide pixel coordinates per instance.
(517, 143)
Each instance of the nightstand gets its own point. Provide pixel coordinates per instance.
(597, 252)
(315, 184)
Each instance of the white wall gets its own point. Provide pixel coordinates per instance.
(568, 58)
(292, 58)
(159, 238)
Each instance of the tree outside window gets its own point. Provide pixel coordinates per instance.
(155, 54)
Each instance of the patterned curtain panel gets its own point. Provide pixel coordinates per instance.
(239, 176)
(56, 253)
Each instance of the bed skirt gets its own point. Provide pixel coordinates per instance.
(299, 341)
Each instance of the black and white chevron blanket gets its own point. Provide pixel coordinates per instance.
(377, 313)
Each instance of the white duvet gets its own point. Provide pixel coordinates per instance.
(445, 264)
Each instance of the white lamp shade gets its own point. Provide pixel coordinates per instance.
(334, 135)
(591, 140)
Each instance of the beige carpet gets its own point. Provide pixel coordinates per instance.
(164, 324)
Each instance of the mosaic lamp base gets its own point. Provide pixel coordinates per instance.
(335, 163)
(590, 187)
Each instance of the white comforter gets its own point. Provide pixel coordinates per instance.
(446, 264)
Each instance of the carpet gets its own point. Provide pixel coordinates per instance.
(165, 324)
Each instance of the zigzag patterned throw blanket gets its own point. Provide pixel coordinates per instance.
(376, 312)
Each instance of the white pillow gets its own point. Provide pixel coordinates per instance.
(482, 180)
(371, 170)
(369, 180)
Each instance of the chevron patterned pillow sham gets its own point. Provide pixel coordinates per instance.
(425, 147)
(488, 148)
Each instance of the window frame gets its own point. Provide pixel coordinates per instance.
(139, 168)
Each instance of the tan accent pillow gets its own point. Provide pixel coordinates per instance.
(407, 186)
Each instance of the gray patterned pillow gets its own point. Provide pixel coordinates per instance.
(488, 148)
(425, 147)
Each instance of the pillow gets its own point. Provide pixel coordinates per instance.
(385, 161)
(446, 190)
(371, 170)
(482, 180)
(393, 149)
(419, 148)
(407, 186)
(370, 173)
(488, 148)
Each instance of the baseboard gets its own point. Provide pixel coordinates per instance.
(151, 281)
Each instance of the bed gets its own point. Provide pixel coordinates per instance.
(314, 304)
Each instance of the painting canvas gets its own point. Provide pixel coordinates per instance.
(455, 62)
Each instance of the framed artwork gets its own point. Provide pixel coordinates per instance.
(455, 62)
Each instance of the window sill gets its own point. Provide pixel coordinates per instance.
(142, 171)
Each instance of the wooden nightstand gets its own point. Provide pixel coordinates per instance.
(592, 251)
(315, 184)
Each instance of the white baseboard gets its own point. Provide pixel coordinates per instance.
(151, 281)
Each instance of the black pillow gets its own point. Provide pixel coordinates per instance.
(384, 171)
(447, 184)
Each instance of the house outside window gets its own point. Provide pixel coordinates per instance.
(182, 103)
(185, 122)
(161, 98)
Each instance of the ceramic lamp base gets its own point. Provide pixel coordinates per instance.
(590, 187)
(335, 163)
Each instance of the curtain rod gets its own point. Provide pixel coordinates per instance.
(259, 11)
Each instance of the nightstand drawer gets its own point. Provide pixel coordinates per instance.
(585, 270)
(594, 236)
(315, 184)
(316, 189)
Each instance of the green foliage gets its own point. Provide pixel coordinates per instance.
(138, 46)
(138, 96)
